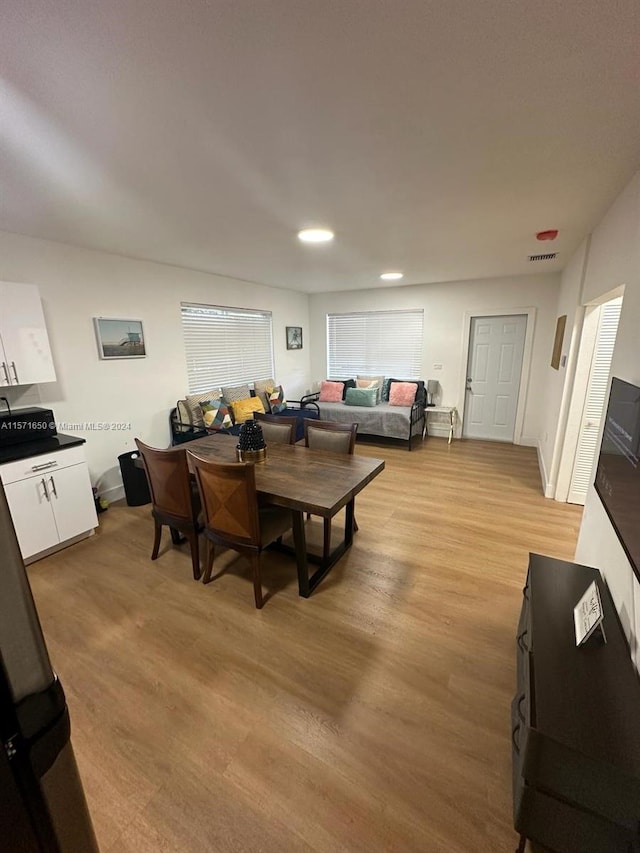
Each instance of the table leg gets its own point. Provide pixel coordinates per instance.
(307, 584)
(300, 544)
(348, 524)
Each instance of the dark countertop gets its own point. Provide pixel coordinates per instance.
(24, 449)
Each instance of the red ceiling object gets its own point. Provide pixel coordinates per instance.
(547, 235)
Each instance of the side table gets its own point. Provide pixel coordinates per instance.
(451, 414)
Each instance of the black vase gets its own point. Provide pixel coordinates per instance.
(251, 444)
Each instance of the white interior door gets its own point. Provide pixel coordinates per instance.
(595, 401)
(496, 348)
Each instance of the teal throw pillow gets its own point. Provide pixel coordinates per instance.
(361, 397)
(216, 415)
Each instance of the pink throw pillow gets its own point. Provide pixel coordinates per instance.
(331, 392)
(402, 393)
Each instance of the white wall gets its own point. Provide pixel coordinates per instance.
(614, 260)
(444, 307)
(77, 285)
(558, 383)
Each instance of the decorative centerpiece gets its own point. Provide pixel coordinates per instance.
(251, 444)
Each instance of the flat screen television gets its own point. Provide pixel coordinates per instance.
(618, 473)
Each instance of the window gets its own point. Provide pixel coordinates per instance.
(374, 343)
(226, 346)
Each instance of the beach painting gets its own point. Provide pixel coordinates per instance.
(119, 338)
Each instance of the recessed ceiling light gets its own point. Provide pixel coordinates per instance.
(315, 235)
(391, 276)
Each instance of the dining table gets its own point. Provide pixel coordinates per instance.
(306, 481)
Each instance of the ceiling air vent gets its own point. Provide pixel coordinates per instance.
(549, 256)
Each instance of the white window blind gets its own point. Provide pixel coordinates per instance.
(226, 346)
(387, 343)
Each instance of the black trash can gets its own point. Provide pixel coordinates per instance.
(134, 480)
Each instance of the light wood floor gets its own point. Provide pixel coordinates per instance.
(372, 717)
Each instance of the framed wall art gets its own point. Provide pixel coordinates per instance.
(294, 337)
(557, 343)
(119, 338)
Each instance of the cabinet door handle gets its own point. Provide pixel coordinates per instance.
(6, 373)
(53, 486)
(44, 467)
(520, 701)
(15, 372)
(46, 491)
(516, 731)
(521, 642)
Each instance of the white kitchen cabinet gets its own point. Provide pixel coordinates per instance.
(32, 516)
(25, 352)
(71, 500)
(50, 500)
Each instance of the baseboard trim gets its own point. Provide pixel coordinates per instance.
(59, 547)
(115, 493)
(528, 441)
(548, 488)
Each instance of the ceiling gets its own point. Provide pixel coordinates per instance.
(433, 137)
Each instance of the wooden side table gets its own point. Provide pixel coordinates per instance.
(451, 414)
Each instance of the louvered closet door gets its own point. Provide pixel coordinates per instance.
(595, 402)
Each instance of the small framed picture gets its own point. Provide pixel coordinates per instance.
(119, 338)
(557, 342)
(294, 337)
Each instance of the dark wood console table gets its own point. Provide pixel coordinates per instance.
(575, 721)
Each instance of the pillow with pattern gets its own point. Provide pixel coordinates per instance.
(192, 405)
(231, 393)
(275, 396)
(260, 386)
(216, 415)
(243, 409)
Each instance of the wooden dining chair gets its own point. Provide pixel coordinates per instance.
(232, 517)
(277, 429)
(175, 502)
(337, 438)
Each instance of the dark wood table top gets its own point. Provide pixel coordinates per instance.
(296, 477)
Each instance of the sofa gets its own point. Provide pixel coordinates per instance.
(384, 419)
(187, 419)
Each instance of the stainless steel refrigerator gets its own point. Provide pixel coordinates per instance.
(42, 804)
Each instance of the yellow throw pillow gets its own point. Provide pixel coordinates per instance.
(243, 409)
